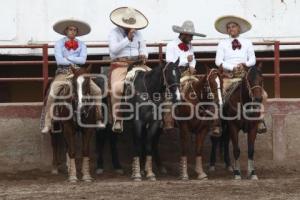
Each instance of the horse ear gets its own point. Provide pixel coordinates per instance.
(207, 68)
(177, 62)
(89, 68)
(73, 69)
(259, 66)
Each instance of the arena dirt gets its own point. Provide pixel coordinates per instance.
(276, 182)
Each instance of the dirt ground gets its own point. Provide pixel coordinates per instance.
(275, 182)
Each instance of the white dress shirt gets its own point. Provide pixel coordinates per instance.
(66, 57)
(173, 52)
(230, 58)
(121, 46)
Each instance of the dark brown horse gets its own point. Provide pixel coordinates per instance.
(199, 114)
(243, 107)
(76, 113)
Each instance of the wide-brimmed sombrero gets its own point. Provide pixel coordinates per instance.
(127, 17)
(83, 27)
(187, 28)
(221, 23)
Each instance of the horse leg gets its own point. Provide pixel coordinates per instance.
(184, 151)
(225, 140)
(200, 137)
(213, 152)
(100, 141)
(151, 133)
(54, 144)
(236, 151)
(69, 134)
(155, 153)
(86, 140)
(137, 145)
(113, 140)
(251, 140)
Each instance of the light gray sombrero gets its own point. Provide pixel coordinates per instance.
(127, 17)
(221, 23)
(187, 28)
(83, 27)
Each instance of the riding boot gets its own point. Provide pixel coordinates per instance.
(99, 118)
(168, 119)
(215, 128)
(148, 168)
(262, 128)
(72, 170)
(199, 169)
(183, 168)
(136, 169)
(85, 170)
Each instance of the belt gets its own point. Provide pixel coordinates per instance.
(65, 69)
(126, 59)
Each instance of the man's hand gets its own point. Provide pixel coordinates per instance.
(143, 58)
(193, 70)
(190, 58)
(130, 34)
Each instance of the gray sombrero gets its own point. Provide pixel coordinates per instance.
(221, 23)
(127, 17)
(83, 27)
(187, 28)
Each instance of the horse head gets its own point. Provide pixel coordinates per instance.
(171, 74)
(254, 81)
(214, 82)
(81, 82)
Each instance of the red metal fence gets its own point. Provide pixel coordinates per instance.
(45, 62)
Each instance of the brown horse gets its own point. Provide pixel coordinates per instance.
(243, 107)
(75, 113)
(201, 101)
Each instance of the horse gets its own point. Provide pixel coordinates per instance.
(147, 94)
(223, 144)
(247, 98)
(201, 98)
(103, 136)
(75, 113)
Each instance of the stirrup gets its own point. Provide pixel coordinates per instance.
(117, 126)
(260, 129)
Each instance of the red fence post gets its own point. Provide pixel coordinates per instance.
(45, 67)
(160, 52)
(277, 69)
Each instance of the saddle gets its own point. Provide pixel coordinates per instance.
(131, 74)
(236, 76)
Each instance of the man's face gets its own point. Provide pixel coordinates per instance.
(71, 32)
(233, 29)
(186, 38)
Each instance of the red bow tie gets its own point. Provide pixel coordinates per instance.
(183, 47)
(236, 44)
(71, 44)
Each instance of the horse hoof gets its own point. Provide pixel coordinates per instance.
(253, 177)
(237, 177)
(87, 178)
(143, 173)
(212, 168)
(119, 171)
(73, 179)
(163, 170)
(202, 176)
(99, 171)
(152, 178)
(229, 168)
(184, 178)
(54, 171)
(137, 179)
